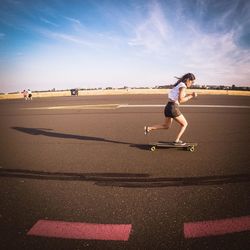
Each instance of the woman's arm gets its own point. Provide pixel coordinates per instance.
(183, 97)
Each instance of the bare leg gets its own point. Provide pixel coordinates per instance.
(183, 123)
(166, 125)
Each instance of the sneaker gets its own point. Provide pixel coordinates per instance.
(146, 130)
(179, 143)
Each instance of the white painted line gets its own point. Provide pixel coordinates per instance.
(182, 106)
(141, 106)
(116, 106)
(215, 106)
(95, 106)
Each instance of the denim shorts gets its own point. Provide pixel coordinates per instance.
(172, 110)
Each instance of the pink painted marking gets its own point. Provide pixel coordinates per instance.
(216, 227)
(77, 230)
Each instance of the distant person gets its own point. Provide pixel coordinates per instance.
(25, 94)
(176, 96)
(29, 94)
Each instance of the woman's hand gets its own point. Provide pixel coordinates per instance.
(194, 94)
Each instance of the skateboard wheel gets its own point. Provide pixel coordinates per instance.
(191, 149)
(153, 148)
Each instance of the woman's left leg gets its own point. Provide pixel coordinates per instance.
(166, 125)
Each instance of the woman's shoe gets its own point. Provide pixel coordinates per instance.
(179, 143)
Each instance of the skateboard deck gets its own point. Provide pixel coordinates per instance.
(189, 146)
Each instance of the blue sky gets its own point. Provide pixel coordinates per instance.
(89, 43)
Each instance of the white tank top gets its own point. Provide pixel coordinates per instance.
(174, 92)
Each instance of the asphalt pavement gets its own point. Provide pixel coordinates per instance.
(86, 162)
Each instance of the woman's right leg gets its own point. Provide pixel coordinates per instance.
(183, 125)
(166, 125)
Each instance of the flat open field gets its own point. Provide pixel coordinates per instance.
(86, 159)
(125, 92)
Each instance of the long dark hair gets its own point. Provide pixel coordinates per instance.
(184, 78)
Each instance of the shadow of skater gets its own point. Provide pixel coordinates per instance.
(145, 147)
(51, 133)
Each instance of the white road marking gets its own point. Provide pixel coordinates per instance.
(95, 106)
(182, 106)
(116, 106)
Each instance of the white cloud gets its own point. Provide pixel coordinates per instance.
(73, 20)
(214, 56)
(152, 32)
(65, 37)
(49, 22)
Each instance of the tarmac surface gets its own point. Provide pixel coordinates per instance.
(87, 160)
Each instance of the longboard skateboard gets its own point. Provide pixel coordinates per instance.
(189, 146)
